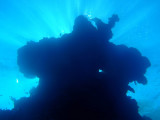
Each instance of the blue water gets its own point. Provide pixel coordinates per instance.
(25, 20)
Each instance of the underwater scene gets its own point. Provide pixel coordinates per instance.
(79, 60)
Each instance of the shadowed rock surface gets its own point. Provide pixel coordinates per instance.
(71, 86)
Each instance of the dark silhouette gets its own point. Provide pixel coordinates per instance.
(71, 86)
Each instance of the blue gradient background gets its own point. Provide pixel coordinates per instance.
(25, 20)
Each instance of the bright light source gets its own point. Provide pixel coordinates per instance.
(17, 80)
(89, 16)
(100, 70)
